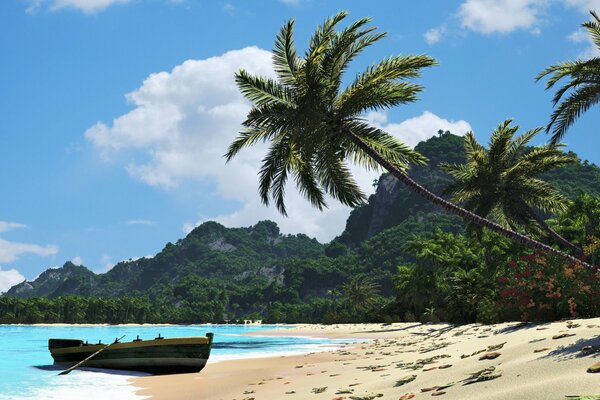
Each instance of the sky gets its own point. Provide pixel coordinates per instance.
(116, 113)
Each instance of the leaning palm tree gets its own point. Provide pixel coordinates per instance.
(314, 127)
(583, 85)
(503, 181)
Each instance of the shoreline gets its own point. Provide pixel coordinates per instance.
(401, 359)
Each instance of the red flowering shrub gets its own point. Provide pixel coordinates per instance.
(538, 287)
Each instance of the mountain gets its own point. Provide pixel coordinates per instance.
(393, 202)
(216, 273)
(210, 251)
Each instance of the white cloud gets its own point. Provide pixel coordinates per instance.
(9, 278)
(7, 226)
(77, 260)
(182, 124)
(183, 121)
(582, 36)
(10, 251)
(106, 264)
(416, 129)
(500, 16)
(85, 6)
(584, 5)
(434, 35)
(140, 222)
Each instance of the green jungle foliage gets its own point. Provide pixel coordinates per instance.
(399, 259)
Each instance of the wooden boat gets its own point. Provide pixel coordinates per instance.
(157, 356)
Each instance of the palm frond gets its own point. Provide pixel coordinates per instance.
(571, 109)
(389, 147)
(262, 91)
(378, 86)
(246, 138)
(593, 28)
(285, 58)
(337, 180)
(519, 143)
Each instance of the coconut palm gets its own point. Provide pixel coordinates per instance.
(503, 181)
(314, 126)
(583, 85)
(360, 293)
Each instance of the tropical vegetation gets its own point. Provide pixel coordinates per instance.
(504, 181)
(582, 89)
(314, 127)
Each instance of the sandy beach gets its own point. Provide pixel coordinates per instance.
(408, 360)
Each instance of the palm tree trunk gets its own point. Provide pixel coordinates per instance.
(551, 232)
(450, 207)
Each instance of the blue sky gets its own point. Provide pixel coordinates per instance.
(115, 113)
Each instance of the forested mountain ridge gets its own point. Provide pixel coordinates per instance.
(210, 251)
(393, 202)
(218, 273)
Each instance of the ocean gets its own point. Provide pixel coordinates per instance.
(24, 356)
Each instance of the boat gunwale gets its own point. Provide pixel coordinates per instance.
(194, 340)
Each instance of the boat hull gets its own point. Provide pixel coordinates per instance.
(162, 356)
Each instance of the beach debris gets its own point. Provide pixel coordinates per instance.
(429, 369)
(332, 375)
(590, 349)
(420, 363)
(588, 397)
(345, 391)
(473, 353)
(292, 392)
(444, 366)
(438, 393)
(562, 335)
(536, 340)
(429, 389)
(490, 356)
(594, 368)
(248, 391)
(446, 386)
(368, 397)
(572, 325)
(541, 328)
(542, 349)
(299, 366)
(355, 384)
(318, 390)
(339, 398)
(407, 396)
(486, 374)
(405, 380)
(373, 368)
(435, 347)
(496, 346)
(248, 398)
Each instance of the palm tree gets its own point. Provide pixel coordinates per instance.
(583, 85)
(360, 293)
(503, 180)
(314, 127)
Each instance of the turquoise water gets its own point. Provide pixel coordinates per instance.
(24, 357)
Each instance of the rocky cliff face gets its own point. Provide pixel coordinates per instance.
(210, 251)
(54, 281)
